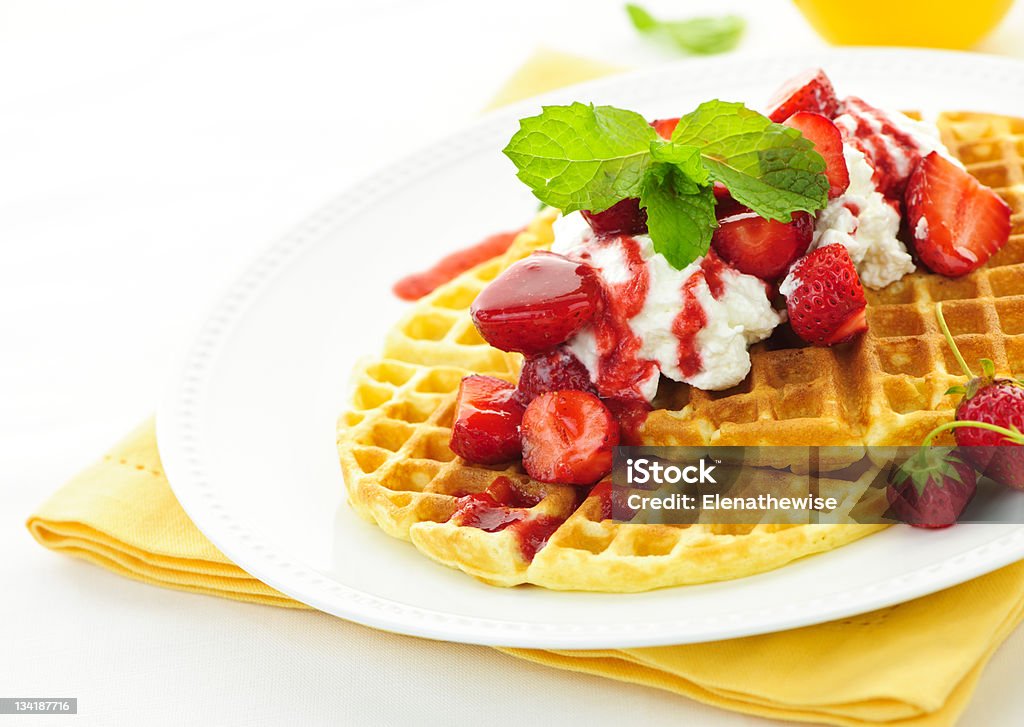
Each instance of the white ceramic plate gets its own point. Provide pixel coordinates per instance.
(246, 427)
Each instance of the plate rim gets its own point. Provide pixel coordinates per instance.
(179, 428)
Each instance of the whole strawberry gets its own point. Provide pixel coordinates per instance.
(824, 297)
(989, 419)
(932, 488)
(998, 402)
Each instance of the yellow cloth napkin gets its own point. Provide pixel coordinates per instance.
(120, 513)
(915, 664)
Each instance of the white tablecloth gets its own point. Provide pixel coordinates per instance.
(147, 150)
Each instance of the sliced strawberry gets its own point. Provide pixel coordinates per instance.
(622, 218)
(932, 488)
(631, 415)
(856, 323)
(828, 142)
(824, 297)
(721, 192)
(537, 303)
(665, 127)
(757, 246)
(568, 437)
(809, 91)
(555, 370)
(957, 223)
(487, 419)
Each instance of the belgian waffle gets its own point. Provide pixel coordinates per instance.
(887, 388)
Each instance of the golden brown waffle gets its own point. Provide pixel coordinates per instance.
(887, 388)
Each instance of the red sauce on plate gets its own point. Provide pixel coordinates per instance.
(417, 285)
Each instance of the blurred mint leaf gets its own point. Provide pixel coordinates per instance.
(582, 157)
(680, 214)
(704, 35)
(768, 167)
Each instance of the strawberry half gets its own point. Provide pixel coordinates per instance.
(760, 247)
(622, 218)
(537, 303)
(824, 297)
(828, 141)
(932, 488)
(487, 418)
(555, 370)
(809, 91)
(721, 193)
(665, 127)
(957, 223)
(568, 437)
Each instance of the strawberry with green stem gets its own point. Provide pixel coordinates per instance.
(990, 415)
(931, 488)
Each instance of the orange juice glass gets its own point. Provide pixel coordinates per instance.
(927, 23)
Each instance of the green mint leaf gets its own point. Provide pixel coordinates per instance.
(680, 214)
(704, 36)
(768, 167)
(582, 157)
(687, 158)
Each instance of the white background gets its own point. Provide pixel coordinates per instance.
(146, 151)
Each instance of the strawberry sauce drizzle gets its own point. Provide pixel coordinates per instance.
(534, 534)
(891, 151)
(504, 506)
(612, 501)
(692, 318)
(620, 367)
(687, 324)
(417, 285)
(713, 268)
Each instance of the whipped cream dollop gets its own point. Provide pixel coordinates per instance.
(739, 315)
(863, 221)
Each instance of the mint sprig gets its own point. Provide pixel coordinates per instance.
(703, 35)
(769, 167)
(585, 157)
(680, 214)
